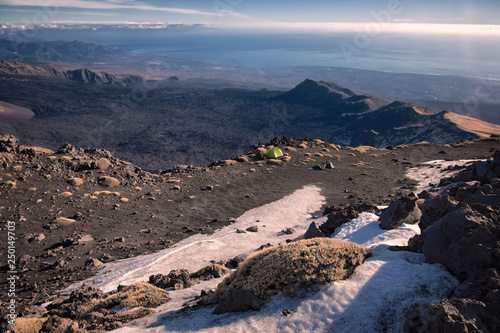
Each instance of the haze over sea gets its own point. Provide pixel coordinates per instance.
(473, 55)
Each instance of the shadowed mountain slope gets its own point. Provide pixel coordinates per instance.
(79, 75)
(333, 97)
(160, 127)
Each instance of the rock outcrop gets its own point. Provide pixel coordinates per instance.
(401, 211)
(461, 230)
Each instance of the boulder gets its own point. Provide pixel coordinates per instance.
(329, 165)
(401, 211)
(236, 261)
(84, 238)
(434, 318)
(108, 181)
(340, 215)
(93, 262)
(103, 163)
(213, 270)
(254, 228)
(319, 167)
(9, 144)
(228, 162)
(435, 208)
(274, 161)
(75, 181)
(55, 324)
(64, 221)
(465, 241)
(177, 279)
(313, 232)
(66, 149)
(238, 300)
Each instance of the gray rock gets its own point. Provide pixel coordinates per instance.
(401, 211)
(238, 300)
(319, 167)
(462, 241)
(253, 228)
(313, 232)
(93, 262)
(66, 148)
(435, 208)
(84, 239)
(39, 237)
(9, 143)
(340, 215)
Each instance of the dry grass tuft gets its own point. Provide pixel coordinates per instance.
(317, 260)
(422, 143)
(139, 294)
(363, 149)
(29, 325)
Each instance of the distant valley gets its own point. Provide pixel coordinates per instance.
(160, 125)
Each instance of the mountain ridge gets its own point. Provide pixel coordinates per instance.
(367, 119)
(79, 75)
(334, 97)
(162, 127)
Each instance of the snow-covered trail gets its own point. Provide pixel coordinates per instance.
(377, 298)
(195, 252)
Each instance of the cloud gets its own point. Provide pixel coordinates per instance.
(367, 27)
(109, 4)
(403, 20)
(61, 11)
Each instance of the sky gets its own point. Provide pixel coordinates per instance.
(262, 13)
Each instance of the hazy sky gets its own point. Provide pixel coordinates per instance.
(227, 12)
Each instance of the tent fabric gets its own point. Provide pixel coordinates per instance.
(274, 153)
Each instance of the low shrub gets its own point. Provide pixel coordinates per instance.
(305, 262)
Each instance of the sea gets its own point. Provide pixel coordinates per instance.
(431, 53)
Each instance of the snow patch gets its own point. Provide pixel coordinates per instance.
(197, 251)
(377, 298)
(430, 173)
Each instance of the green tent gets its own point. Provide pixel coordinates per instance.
(274, 153)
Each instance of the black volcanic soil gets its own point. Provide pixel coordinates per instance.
(147, 212)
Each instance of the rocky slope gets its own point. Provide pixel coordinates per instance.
(339, 101)
(78, 75)
(159, 127)
(358, 118)
(75, 209)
